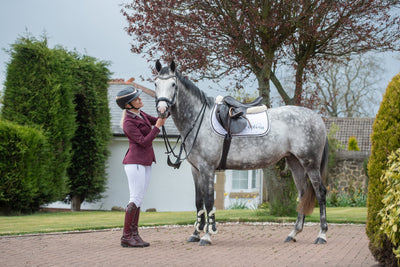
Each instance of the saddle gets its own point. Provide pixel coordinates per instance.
(231, 114)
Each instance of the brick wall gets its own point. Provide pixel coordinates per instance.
(349, 171)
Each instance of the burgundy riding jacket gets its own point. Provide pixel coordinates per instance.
(141, 134)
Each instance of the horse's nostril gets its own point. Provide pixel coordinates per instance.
(162, 110)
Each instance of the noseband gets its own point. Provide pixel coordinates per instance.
(170, 102)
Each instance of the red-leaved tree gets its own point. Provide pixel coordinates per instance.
(213, 39)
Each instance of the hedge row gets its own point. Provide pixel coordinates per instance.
(65, 95)
(24, 162)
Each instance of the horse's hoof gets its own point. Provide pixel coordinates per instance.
(320, 241)
(204, 242)
(289, 238)
(193, 238)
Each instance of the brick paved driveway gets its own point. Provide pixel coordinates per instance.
(234, 245)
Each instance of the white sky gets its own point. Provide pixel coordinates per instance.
(95, 28)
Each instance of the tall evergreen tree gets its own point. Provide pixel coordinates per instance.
(87, 175)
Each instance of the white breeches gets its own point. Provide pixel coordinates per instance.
(138, 180)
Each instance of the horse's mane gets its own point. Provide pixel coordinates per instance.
(191, 87)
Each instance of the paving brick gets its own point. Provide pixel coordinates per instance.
(235, 245)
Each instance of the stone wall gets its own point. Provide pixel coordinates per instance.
(349, 171)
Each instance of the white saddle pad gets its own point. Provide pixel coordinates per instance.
(259, 124)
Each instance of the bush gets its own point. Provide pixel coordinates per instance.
(385, 139)
(390, 213)
(24, 164)
(353, 145)
(352, 198)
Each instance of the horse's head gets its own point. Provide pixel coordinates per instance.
(166, 88)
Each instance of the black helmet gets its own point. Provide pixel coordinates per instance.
(126, 95)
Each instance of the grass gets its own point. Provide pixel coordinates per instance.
(94, 220)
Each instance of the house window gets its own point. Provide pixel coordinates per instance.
(243, 179)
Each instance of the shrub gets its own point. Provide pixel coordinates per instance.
(352, 198)
(390, 213)
(385, 138)
(353, 145)
(25, 181)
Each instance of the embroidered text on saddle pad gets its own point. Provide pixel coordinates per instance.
(259, 124)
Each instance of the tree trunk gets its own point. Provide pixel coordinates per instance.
(280, 186)
(76, 203)
(282, 193)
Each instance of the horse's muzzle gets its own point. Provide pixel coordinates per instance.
(162, 112)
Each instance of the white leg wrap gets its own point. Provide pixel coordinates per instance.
(293, 234)
(322, 235)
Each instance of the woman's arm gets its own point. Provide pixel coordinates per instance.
(134, 134)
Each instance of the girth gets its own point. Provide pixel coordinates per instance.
(231, 114)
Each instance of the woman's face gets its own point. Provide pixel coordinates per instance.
(137, 103)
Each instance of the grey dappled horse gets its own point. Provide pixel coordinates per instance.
(296, 133)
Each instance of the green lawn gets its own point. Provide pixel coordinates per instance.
(90, 220)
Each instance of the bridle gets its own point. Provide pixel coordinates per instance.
(169, 148)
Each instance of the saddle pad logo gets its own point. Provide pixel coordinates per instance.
(258, 126)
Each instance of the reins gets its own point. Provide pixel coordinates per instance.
(170, 149)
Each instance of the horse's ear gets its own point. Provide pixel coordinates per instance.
(172, 66)
(158, 65)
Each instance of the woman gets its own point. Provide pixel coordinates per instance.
(137, 126)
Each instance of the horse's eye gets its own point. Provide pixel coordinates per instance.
(173, 85)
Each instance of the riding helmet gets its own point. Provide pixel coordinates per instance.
(126, 95)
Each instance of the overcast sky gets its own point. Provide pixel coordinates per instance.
(95, 28)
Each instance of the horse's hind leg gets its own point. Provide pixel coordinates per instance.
(201, 218)
(300, 180)
(320, 192)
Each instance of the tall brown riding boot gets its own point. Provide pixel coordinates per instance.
(129, 238)
(135, 231)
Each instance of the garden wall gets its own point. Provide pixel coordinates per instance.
(349, 171)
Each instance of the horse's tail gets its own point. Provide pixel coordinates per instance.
(307, 201)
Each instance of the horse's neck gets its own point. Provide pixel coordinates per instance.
(187, 109)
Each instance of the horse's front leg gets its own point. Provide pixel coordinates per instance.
(198, 226)
(211, 226)
(201, 213)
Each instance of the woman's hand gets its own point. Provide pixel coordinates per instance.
(160, 122)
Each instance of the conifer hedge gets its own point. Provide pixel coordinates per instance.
(38, 92)
(64, 94)
(24, 163)
(385, 139)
